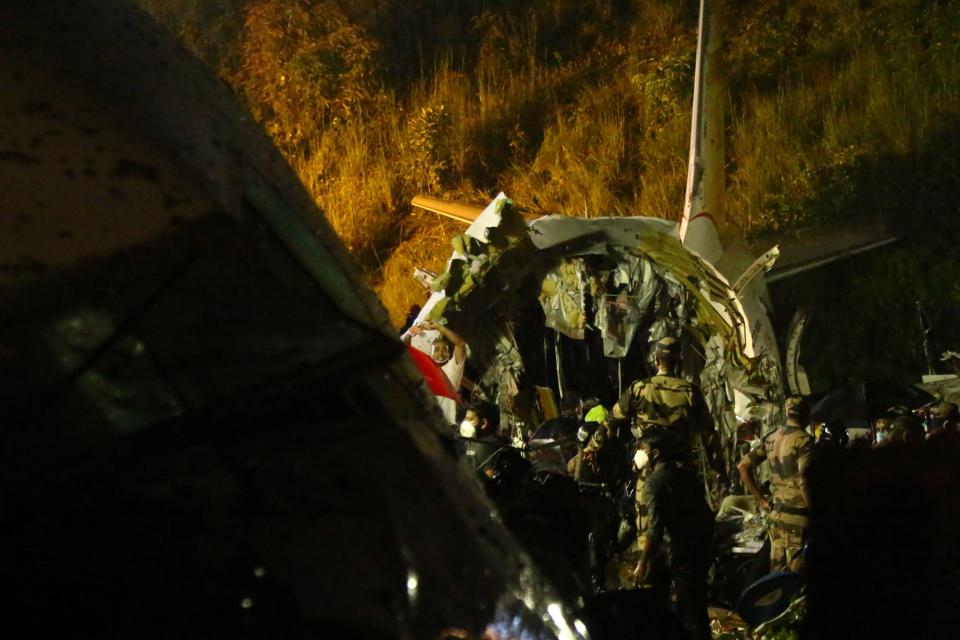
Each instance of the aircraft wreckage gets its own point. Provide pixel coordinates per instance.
(616, 285)
(208, 425)
(577, 303)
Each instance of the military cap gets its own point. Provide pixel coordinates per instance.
(668, 348)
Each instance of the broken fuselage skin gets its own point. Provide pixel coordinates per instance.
(600, 291)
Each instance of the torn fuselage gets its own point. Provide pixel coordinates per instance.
(575, 304)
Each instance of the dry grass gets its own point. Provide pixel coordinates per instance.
(580, 165)
(425, 244)
(797, 148)
(352, 175)
(574, 108)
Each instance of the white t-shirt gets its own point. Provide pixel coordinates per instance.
(454, 373)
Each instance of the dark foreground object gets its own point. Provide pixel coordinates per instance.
(884, 554)
(208, 428)
(633, 613)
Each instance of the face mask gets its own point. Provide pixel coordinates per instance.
(467, 429)
(881, 436)
(640, 459)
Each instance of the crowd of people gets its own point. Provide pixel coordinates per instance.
(660, 439)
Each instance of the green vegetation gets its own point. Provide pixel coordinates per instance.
(836, 109)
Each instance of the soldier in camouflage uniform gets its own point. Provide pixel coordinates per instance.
(667, 402)
(670, 402)
(676, 530)
(787, 450)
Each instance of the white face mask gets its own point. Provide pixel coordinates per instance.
(640, 459)
(467, 429)
(881, 436)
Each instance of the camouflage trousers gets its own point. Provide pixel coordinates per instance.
(787, 524)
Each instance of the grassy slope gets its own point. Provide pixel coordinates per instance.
(582, 107)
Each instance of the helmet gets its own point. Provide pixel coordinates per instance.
(597, 414)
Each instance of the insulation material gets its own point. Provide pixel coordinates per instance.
(714, 309)
(671, 308)
(475, 252)
(505, 367)
(562, 298)
(619, 313)
(617, 319)
(714, 383)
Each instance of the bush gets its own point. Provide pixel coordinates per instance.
(304, 67)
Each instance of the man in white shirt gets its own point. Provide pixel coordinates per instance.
(450, 352)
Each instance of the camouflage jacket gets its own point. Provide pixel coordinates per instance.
(665, 401)
(787, 450)
(675, 403)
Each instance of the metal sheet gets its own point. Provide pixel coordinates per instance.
(552, 231)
